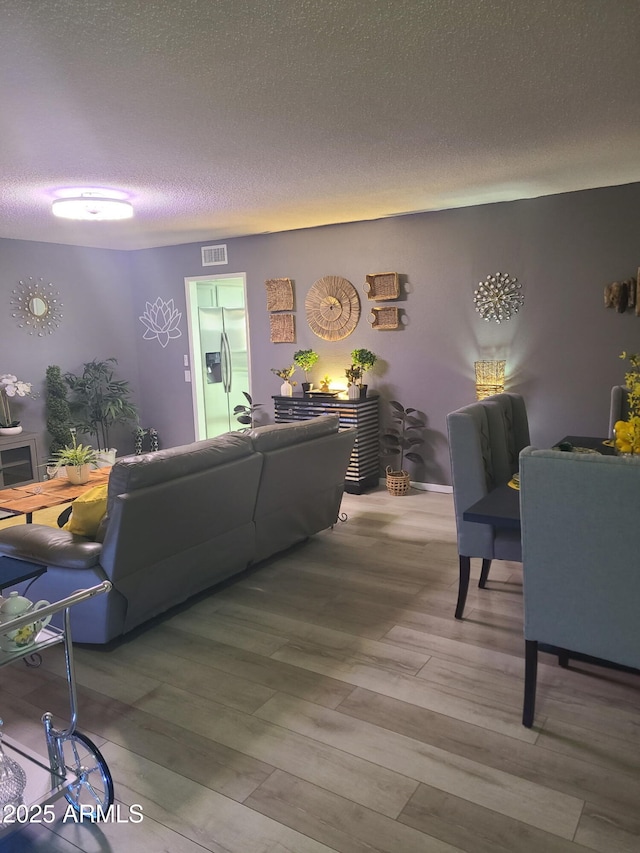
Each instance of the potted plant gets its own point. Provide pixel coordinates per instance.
(401, 439)
(99, 401)
(77, 459)
(285, 373)
(246, 415)
(354, 378)
(305, 359)
(57, 409)
(364, 359)
(11, 386)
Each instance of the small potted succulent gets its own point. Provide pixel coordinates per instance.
(285, 373)
(305, 359)
(364, 359)
(76, 459)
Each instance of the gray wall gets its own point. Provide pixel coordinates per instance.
(97, 323)
(561, 350)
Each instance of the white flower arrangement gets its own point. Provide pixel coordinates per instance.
(11, 386)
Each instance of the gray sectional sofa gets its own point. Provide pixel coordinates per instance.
(181, 520)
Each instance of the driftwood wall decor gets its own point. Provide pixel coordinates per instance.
(623, 295)
(279, 294)
(283, 328)
(332, 307)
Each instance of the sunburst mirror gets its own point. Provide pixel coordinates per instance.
(36, 306)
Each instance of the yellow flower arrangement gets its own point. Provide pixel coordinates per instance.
(628, 432)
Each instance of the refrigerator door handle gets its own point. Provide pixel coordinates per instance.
(228, 373)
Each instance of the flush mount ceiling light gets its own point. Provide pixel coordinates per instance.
(99, 205)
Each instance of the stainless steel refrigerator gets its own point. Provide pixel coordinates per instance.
(225, 366)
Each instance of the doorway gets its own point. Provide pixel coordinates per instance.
(219, 350)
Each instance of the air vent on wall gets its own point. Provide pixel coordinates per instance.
(213, 256)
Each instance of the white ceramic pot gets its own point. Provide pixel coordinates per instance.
(16, 430)
(78, 474)
(353, 392)
(286, 389)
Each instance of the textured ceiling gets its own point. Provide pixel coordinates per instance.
(227, 117)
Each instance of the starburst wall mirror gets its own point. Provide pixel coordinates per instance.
(36, 306)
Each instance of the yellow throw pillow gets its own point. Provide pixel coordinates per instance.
(87, 512)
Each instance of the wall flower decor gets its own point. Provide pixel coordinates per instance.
(161, 320)
(498, 297)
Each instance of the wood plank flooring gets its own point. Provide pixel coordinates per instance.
(329, 701)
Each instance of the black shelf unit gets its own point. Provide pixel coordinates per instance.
(363, 471)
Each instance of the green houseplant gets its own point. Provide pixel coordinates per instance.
(246, 414)
(364, 359)
(354, 378)
(77, 459)
(305, 359)
(99, 401)
(285, 373)
(401, 439)
(57, 409)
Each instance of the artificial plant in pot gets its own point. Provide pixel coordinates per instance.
(305, 359)
(98, 402)
(401, 439)
(364, 359)
(11, 387)
(57, 409)
(246, 414)
(76, 459)
(354, 378)
(285, 373)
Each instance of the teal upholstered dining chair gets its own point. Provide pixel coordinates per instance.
(619, 409)
(579, 517)
(485, 439)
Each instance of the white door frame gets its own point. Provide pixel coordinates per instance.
(195, 354)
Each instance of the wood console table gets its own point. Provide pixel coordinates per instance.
(364, 466)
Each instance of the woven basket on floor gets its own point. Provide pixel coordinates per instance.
(397, 482)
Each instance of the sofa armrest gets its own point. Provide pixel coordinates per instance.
(49, 546)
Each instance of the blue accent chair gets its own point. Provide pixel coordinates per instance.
(485, 439)
(581, 570)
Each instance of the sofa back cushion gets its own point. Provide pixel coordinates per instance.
(278, 436)
(131, 473)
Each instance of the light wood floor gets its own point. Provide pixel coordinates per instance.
(329, 701)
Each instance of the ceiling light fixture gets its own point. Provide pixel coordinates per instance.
(99, 205)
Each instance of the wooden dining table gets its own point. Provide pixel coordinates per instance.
(27, 499)
(501, 506)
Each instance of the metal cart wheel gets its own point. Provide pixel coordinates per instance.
(92, 794)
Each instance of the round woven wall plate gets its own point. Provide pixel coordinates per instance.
(332, 307)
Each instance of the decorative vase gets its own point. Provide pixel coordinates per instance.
(353, 392)
(16, 430)
(286, 389)
(78, 474)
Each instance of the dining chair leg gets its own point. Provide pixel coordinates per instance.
(484, 573)
(530, 679)
(463, 587)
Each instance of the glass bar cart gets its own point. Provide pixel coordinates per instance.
(76, 769)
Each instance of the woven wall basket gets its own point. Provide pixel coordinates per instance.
(397, 482)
